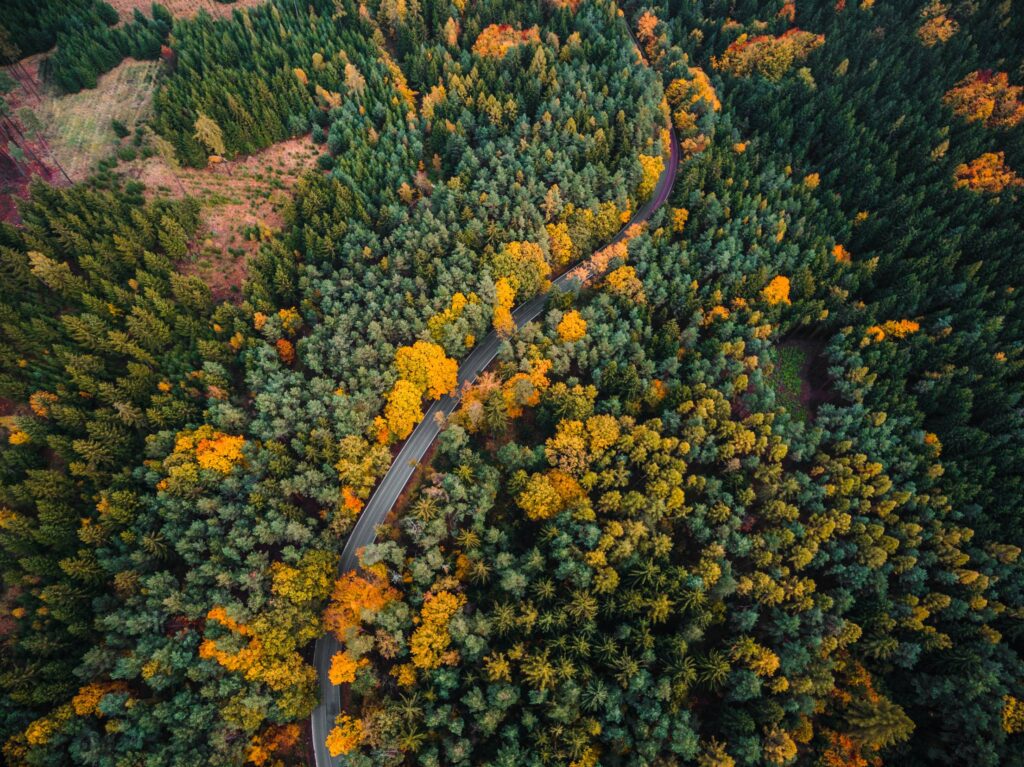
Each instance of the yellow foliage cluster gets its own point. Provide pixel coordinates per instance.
(758, 658)
(892, 329)
(812, 180)
(496, 40)
(423, 369)
(651, 168)
(547, 494)
(987, 97)
(523, 265)
(624, 282)
(17, 437)
(572, 327)
(770, 57)
(213, 450)
(87, 701)
(936, 27)
(559, 243)
(988, 173)
(345, 736)
(679, 218)
(504, 300)
(1013, 715)
(688, 97)
(435, 96)
(429, 643)
(776, 291)
(426, 366)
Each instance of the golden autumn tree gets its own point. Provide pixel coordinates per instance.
(426, 367)
(651, 168)
(624, 282)
(352, 595)
(572, 327)
(776, 291)
(402, 411)
(430, 640)
(504, 299)
(936, 26)
(346, 735)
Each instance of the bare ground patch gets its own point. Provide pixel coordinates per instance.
(243, 202)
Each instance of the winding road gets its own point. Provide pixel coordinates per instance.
(417, 444)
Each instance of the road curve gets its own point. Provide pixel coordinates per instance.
(417, 444)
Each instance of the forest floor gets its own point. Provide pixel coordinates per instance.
(243, 201)
(182, 9)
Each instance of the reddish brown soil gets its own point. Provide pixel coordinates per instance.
(33, 157)
(183, 9)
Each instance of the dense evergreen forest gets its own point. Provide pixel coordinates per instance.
(749, 494)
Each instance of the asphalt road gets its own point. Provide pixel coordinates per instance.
(405, 463)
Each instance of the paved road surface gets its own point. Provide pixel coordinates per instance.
(387, 492)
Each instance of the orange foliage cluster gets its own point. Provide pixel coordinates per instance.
(776, 291)
(842, 751)
(350, 501)
(40, 402)
(213, 450)
(352, 595)
(523, 389)
(841, 254)
(285, 350)
(787, 11)
(936, 26)
(573, 327)
(345, 736)
(430, 641)
(988, 173)
(987, 97)
(646, 34)
(497, 40)
(273, 740)
(344, 667)
(768, 56)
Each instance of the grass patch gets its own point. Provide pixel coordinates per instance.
(80, 126)
(788, 381)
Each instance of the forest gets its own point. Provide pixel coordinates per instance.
(747, 491)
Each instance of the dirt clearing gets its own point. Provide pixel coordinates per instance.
(243, 202)
(182, 9)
